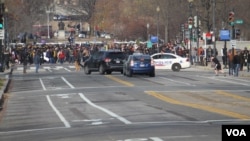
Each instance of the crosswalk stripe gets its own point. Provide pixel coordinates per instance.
(46, 68)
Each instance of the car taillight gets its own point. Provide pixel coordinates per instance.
(107, 60)
(152, 62)
(131, 63)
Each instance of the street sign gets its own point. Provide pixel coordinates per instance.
(233, 43)
(224, 35)
(2, 34)
(239, 21)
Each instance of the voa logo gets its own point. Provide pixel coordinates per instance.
(236, 132)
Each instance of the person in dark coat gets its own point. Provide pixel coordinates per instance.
(25, 59)
(236, 62)
(36, 60)
(248, 62)
(217, 66)
(242, 60)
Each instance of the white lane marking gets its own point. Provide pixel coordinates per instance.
(177, 81)
(32, 68)
(232, 82)
(47, 68)
(63, 94)
(122, 119)
(87, 120)
(65, 122)
(178, 122)
(67, 70)
(19, 68)
(155, 139)
(143, 139)
(31, 130)
(67, 82)
(41, 81)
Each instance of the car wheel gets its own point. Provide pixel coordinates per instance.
(152, 74)
(101, 69)
(86, 70)
(176, 67)
(129, 73)
(124, 72)
(109, 72)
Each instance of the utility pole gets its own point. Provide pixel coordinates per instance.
(190, 26)
(49, 9)
(214, 30)
(2, 65)
(158, 18)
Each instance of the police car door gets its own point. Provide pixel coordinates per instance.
(158, 61)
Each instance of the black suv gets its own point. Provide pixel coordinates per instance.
(105, 62)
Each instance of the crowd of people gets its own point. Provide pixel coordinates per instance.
(235, 59)
(77, 53)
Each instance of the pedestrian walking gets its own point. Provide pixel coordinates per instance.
(61, 56)
(224, 56)
(36, 60)
(230, 62)
(77, 59)
(217, 66)
(248, 62)
(237, 61)
(25, 59)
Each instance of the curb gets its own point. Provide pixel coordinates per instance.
(243, 73)
(4, 87)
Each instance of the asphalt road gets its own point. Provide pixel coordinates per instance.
(59, 104)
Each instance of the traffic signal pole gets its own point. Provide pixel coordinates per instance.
(1, 39)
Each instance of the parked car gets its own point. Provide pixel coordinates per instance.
(105, 62)
(82, 34)
(169, 61)
(139, 64)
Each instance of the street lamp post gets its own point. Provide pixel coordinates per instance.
(1, 40)
(48, 11)
(190, 31)
(158, 18)
(147, 31)
(214, 33)
(6, 34)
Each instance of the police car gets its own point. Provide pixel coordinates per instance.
(169, 61)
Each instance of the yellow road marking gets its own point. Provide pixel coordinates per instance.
(198, 106)
(120, 81)
(233, 95)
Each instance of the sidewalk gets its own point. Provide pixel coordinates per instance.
(6, 76)
(243, 73)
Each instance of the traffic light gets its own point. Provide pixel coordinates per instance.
(195, 21)
(199, 33)
(1, 21)
(231, 18)
(237, 32)
(190, 22)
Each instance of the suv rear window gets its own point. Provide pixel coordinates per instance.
(120, 55)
